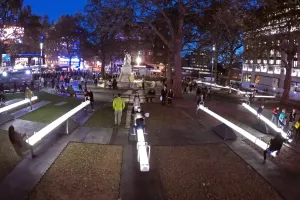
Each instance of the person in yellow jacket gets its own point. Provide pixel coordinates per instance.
(29, 95)
(118, 106)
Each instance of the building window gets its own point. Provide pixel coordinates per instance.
(247, 78)
(278, 62)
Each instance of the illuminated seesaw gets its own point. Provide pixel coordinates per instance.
(267, 121)
(239, 130)
(143, 151)
(36, 137)
(17, 104)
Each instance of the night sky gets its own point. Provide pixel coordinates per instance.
(55, 8)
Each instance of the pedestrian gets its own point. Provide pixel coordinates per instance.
(292, 118)
(136, 102)
(275, 114)
(118, 106)
(91, 98)
(96, 82)
(259, 111)
(163, 96)
(275, 146)
(209, 93)
(170, 96)
(297, 130)
(281, 118)
(143, 85)
(22, 148)
(85, 83)
(114, 84)
(28, 95)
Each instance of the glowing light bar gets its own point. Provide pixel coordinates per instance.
(262, 96)
(142, 146)
(267, 121)
(14, 105)
(46, 130)
(224, 87)
(241, 131)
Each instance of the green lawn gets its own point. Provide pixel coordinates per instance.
(8, 157)
(105, 118)
(51, 112)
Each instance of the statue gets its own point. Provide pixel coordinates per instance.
(127, 59)
(126, 69)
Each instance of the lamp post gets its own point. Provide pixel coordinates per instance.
(138, 59)
(212, 63)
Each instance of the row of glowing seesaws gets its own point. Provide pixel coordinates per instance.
(142, 146)
(237, 90)
(36, 137)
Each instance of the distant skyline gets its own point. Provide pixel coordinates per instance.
(55, 8)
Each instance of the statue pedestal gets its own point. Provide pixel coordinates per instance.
(125, 74)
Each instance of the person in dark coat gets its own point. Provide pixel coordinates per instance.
(170, 96)
(163, 94)
(91, 98)
(275, 146)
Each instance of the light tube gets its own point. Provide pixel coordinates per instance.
(14, 105)
(267, 121)
(241, 131)
(46, 130)
(142, 151)
(262, 96)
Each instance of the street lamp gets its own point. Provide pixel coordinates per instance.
(212, 63)
(41, 59)
(138, 60)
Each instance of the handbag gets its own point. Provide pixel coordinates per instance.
(297, 124)
(160, 98)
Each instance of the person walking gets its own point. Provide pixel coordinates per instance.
(275, 114)
(96, 82)
(170, 96)
(275, 146)
(297, 130)
(28, 95)
(281, 118)
(259, 111)
(91, 98)
(118, 106)
(163, 96)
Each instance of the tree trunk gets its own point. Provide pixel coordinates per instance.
(287, 80)
(103, 64)
(168, 69)
(178, 70)
(229, 70)
(70, 62)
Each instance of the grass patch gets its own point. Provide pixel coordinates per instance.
(50, 112)
(82, 171)
(104, 117)
(8, 157)
(211, 171)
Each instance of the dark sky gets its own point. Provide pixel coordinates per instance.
(55, 8)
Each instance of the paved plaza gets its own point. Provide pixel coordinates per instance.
(188, 160)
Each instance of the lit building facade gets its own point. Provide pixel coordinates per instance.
(196, 64)
(263, 65)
